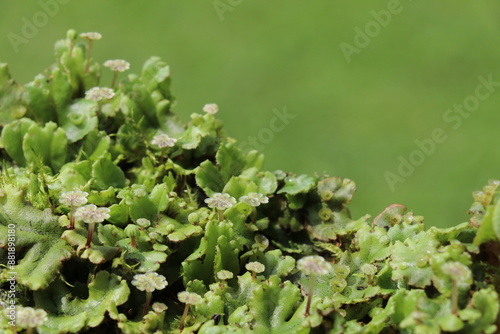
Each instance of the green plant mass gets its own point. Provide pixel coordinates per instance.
(116, 217)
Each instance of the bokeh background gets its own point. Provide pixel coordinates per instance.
(353, 117)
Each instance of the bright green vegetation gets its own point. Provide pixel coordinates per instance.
(128, 220)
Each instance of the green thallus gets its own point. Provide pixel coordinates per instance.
(453, 279)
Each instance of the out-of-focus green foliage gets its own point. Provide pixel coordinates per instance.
(186, 205)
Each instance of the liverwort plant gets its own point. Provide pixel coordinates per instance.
(133, 231)
(459, 275)
(224, 275)
(391, 273)
(325, 214)
(143, 223)
(220, 202)
(369, 270)
(73, 200)
(188, 298)
(254, 200)
(149, 282)
(91, 37)
(256, 268)
(163, 141)
(211, 108)
(117, 66)
(97, 94)
(91, 215)
(159, 307)
(312, 266)
(30, 318)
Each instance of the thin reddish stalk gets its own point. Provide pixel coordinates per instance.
(89, 235)
(184, 315)
(312, 279)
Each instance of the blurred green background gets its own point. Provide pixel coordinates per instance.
(352, 119)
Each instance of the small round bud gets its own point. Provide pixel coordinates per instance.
(326, 195)
(143, 222)
(194, 217)
(154, 236)
(325, 214)
(368, 269)
(211, 108)
(338, 284)
(132, 231)
(280, 175)
(139, 192)
(421, 261)
(261, 241)
(71, 34)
